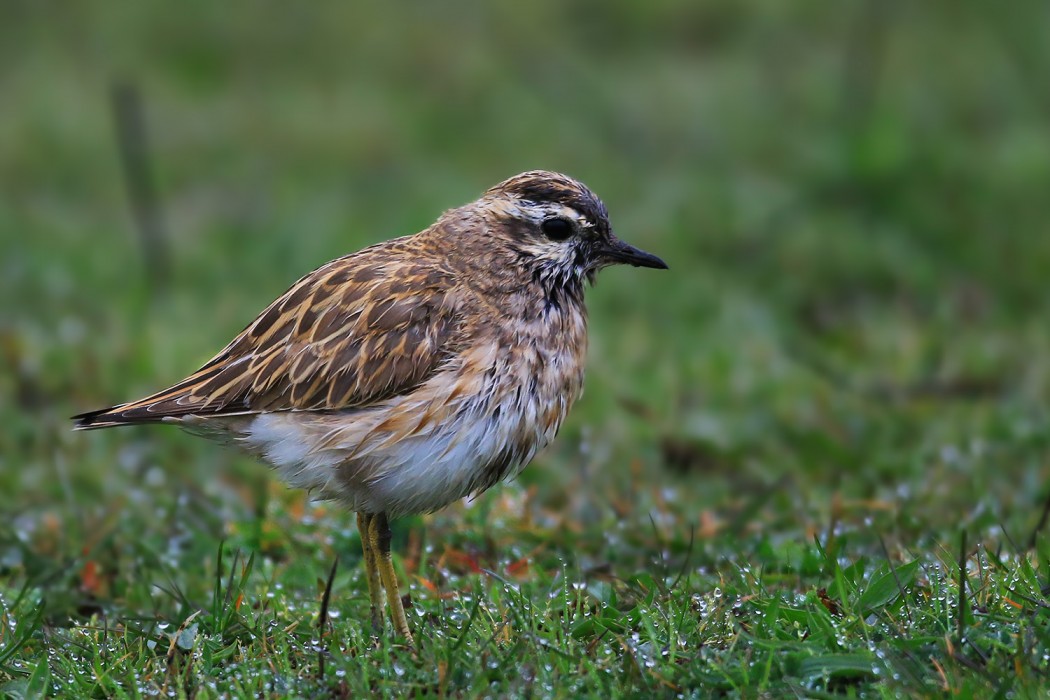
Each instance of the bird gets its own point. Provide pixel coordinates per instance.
(415, 372)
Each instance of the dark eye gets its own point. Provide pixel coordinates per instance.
(557, 229)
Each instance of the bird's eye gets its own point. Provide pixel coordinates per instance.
(557, 228)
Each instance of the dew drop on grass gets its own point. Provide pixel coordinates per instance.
(187, 637)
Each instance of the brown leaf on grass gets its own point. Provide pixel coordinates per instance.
(433, 589)
(830, 603)
(518, 568)
(523, 566)
(458, 559)
(90, 580)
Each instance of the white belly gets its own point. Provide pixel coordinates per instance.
(343, 457)
(417, 473)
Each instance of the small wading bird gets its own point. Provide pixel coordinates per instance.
(410, 374)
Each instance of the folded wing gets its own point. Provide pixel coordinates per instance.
(356, 331)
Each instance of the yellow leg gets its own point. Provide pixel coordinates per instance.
(375, 596)
(379, 534)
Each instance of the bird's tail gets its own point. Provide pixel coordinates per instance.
(111, 417)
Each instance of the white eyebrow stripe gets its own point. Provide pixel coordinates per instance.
(539, 211)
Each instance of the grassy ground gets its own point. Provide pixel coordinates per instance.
(812, 459)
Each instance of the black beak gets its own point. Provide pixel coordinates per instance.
(616, 251)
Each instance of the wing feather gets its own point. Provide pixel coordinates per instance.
(359, 330)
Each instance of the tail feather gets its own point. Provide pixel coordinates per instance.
(111, 417)
(173, 402)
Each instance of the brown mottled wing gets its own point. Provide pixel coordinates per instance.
(358, 330)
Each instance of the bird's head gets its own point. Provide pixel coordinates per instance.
(558, 228)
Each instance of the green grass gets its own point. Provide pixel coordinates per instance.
(812, 459)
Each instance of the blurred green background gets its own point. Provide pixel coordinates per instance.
(853, 197)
